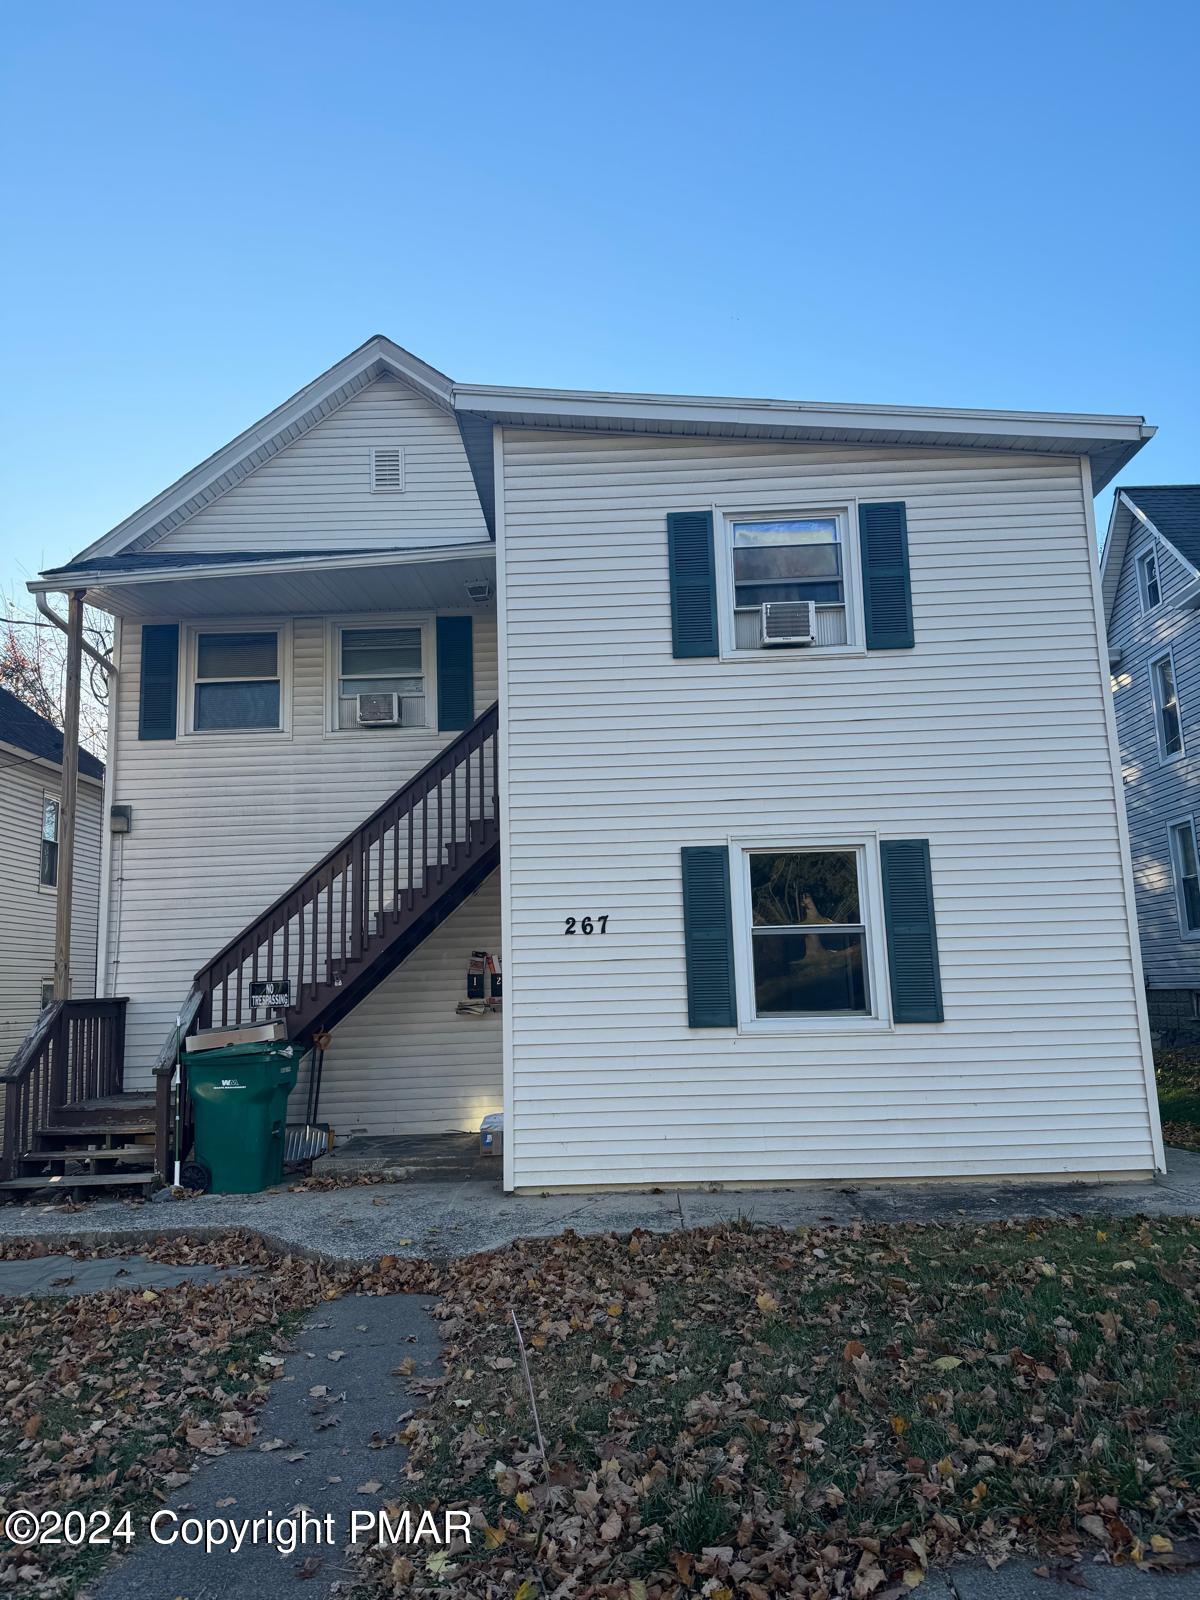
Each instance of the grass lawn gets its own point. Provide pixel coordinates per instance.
(1178, 1074)
(753, 1412)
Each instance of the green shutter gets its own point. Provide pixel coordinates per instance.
(455, 674)
(708, 937)
(693, 584)
(159, 686)
(916, 978)
(887, 588)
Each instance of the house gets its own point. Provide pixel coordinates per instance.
(1151, 581)
(30, 800)
(719, 725)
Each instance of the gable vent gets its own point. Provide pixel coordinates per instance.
(387, 469)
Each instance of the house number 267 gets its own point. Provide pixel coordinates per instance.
(586, 924)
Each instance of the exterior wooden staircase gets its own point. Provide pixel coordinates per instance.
(353, 917)
(66, 1123)
(333, 937)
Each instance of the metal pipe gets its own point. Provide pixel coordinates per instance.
(60, 622)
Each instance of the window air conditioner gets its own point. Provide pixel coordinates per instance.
(378, 710)
(787, 622)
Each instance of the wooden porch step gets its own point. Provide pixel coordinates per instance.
(126, 1127)
(79, 1180)
(116, 1152)
(111, 1114)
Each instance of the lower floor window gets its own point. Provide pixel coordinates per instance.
(807, 933)
(1186, 864)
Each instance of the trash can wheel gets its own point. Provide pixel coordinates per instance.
(195, 1175)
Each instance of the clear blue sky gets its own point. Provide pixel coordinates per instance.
(207, 204)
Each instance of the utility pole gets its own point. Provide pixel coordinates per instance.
(67, 805)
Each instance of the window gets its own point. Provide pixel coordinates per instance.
(236, 681)
(47, 992)
(1166, 708)
(386, 663)
(1148, 584)
(387, 469)
(808, 935)
(789, 559)
(1186, 865)
(48, 866)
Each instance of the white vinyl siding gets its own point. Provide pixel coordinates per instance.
(1156, 793)
(617, 756)
(403, 1061)
(319, 493)
(223, 825)
(27, 906)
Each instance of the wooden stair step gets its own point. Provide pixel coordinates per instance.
(93, 1130)
(119, 1152)
(78, 1180)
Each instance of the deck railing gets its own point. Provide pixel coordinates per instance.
(75, 1052)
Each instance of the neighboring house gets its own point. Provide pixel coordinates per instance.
(413, 669)
(30, 798)
(1151, 578)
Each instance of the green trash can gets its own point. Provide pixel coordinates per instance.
(239, 1096)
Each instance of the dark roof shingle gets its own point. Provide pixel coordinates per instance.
(1174, 509)
(21, 726)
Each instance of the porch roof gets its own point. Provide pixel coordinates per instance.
(279, 582)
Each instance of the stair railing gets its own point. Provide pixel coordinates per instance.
(330, 922)
(74, 1052)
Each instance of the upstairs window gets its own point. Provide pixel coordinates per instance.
(1186, 864)
(48, 864)
(1166, 708)
(808, 935)
(236, 681)
(381, 677)
(1148, 585)
(779, 561)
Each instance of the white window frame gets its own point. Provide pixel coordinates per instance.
(282, 628)
(334, 627)
(1173, 826)
(846, 516)
(48, 798)
(378, 488)
(1150, 553)
(1152, 668)
(865, 847)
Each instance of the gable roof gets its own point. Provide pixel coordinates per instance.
(1174, 510)
(1171, 510)
(267, 437)
(1108, 441)
(21, 726)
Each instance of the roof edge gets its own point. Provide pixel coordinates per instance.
(370, 360)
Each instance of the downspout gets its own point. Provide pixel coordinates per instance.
(61, 622)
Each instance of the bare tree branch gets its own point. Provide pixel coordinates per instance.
(33, 665)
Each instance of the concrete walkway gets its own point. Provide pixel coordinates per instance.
(64, 1275)
(440, 1219)
(333, 1459)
